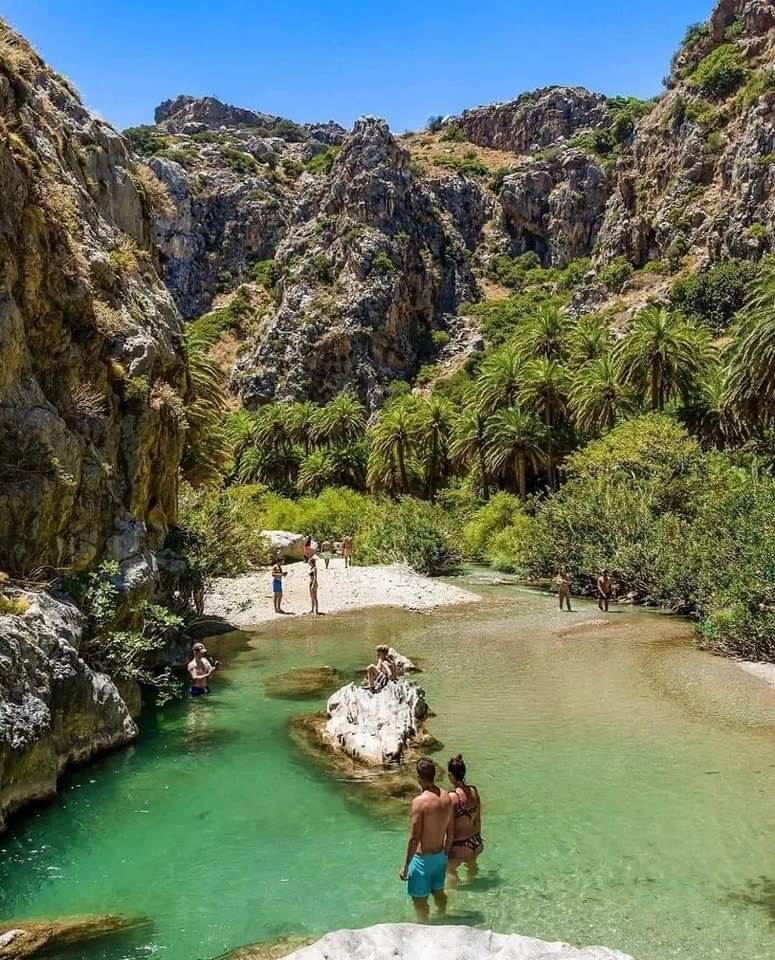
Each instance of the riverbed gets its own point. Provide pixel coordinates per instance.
(627, 782)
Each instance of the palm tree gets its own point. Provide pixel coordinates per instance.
(316, 471)
(546, 334)
(273, 434)
(709, 414)
(469, 442)
(598, 397)
(207, 450)
(301, 422)
(393, 436)
(500, 378)
(433, 427)
(545, 390)
(750, 381)
(514, 439)
(341, 420)
(662, 354)
(589, 340)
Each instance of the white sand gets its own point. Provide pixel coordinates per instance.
(247, 600)
(765, 671)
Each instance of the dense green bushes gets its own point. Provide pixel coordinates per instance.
(721, 72)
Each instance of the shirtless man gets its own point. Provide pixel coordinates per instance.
(347, 550)
(605, 587)
(431, 833)
(200, 669)
(563, 588)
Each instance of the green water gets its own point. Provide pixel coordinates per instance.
(627, 784)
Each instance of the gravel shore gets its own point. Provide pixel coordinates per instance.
(247, 600)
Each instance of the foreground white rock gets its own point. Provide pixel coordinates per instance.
(375, 728)
(410, 941)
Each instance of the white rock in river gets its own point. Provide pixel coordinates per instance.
(288, 545)
(404, 664)
(411, 941)
(376, 727)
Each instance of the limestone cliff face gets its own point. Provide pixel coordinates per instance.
(542, 118)
(54, 709)
(93, 374)
(699, 178)
(370, 265)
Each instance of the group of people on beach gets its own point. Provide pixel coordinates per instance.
(310, 554)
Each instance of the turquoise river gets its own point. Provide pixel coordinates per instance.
(628, 785)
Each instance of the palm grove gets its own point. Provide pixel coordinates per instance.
(645, 450)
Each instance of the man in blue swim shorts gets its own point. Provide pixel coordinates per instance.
(431, 834)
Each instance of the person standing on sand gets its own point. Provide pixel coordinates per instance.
(307, 548)
(605, 588)
(313, 585)
(200, 669)
(430, 838)
(347, 550)
(467, 844)
(277, 585)
(563, 587)
(326, 551)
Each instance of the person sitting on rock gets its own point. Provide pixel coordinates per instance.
(431, 833)
(380, 673)
(467, 843)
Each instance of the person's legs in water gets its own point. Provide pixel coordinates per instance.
(440, 899)
(421, 908)
(427, 873)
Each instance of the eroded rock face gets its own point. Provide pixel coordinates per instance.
(54, 709)
(93, 373)
(412, 941)
(555, 208)
(699, 176)
(541, 118)
(370, 264)
(376, 728)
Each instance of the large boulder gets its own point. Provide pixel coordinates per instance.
(288, 545)
(412, 941)
(54, 709)
(376, 728)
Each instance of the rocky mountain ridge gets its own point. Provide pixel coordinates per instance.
(679, 181)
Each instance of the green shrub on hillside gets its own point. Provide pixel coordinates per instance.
(409, 531)
(466, 166)
(615, 274)
(322, 162)
(146, 140)
(715, 295)
(454, 133)
(210, 327)
(721, 72)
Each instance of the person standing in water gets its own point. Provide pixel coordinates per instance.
(467, 844)
(430, 838)
(347, 550)
(313, 585)
(200, 669)
(277, 585)
(563, 588)
(605, 587)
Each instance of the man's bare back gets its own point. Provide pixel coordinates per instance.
(432, 815)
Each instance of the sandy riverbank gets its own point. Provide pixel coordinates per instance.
(247, 600)
(764, 671)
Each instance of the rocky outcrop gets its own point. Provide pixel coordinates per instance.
(555, 207)
(283, 543)
(376, 727)
(541, 118)
(368, 268)
(412, 941)
(699, 178)
(93, 375)
(54, 709)
(33, 937)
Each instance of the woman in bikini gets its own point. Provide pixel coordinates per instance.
(468, 843)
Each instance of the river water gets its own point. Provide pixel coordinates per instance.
(628, 785)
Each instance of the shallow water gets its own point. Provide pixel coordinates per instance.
(627, 782)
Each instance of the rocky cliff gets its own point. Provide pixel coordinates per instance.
(93, 383)
(93, 374)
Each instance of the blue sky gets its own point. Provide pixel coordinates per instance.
(338, 59)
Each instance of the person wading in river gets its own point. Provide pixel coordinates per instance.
(563, 588)
(313, 585)
(430, 837)
(467, 843)
(200, 669)
(605, 587)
